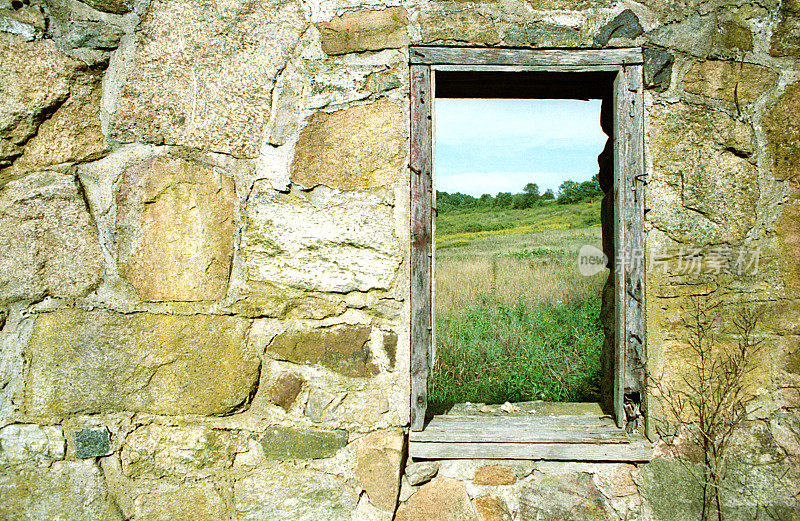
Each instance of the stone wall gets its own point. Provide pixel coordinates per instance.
(203, 240)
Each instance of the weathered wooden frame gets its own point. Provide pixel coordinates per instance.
(466, 437)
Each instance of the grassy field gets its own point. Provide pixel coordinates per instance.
(515, 320)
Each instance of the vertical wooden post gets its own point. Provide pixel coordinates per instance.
(421, 240)
(629, 183)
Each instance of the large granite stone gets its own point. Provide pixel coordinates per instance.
(203, 73)
(495, 475)
(440, 26)
(100, 361)
(287, 493)
(175, 229)
(156, 451)
(342, 349)
(48, 242)
(442, 499)
(624, 25)
(193, 500)
(704, 178)
(66, 490)
(110, 6)
(365, 30)
(788, 232)
(35, 78)
(73, 133)
(782, 129)
(360, 147)
(729, 81)
(324, 241)
(290, 443)
(25, 443)
(492, 508)
(569, 496)
(380, 458)
(786, 35)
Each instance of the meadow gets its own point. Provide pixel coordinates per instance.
(515, 320)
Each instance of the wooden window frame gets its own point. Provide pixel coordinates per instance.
(534, 438)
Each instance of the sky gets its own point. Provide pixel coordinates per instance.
(486, 146)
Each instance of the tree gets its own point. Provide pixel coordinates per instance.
(532, 189)
(503, 200)
(548, 194)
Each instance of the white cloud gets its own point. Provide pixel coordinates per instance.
(477, 184)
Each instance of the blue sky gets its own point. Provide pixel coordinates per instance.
(500, 145)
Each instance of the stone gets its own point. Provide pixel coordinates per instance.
(390, 347)
(783, 135)
(624, 25)
(317, 405)
(457, 26)
(788, 232)
(336, 242)
(420, 472)
(694, 35)
(733, 36)
(11, 25)
(48, 242)
(567, 497)
(8, 152)
(287, 442)
(342, 349)
(73, 133)
(359, 147)
(66, 490)
(380, 458)
(365, 30)
(382, 81)
(440, 500)
(92, 442)
(196, 501)
(495, 475)
(542, 35)
(657, 69)
(88, 33)
(202, 77)
(366, 511)
(286, 493)
(492, 508)
(99, 361)
(35, 78)
(729, 81)
(110, 6)
(22, 443)
(284, 390)
(175, 229)
(703, 175)
(157, 451)
(786, 34)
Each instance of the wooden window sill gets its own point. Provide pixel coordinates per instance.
(543, 431)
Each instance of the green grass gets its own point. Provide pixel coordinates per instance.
(515, 320)
(518, 353)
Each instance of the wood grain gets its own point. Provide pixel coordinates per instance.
(596, 58)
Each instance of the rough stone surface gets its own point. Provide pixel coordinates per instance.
(157, 451)
(788, 231)
(733, 36)
(318, 241)
(35, 79)
(457, 26)
(729, 81)
(495, 475)
(88, 362)
(110, 6)
(175, 228)
(421, 472)
(284, 390)
(73, 133)
(360, 31)
(624, 25)
(380, 457)
(567, 497)
(492, 508)
(701, 166)
(343, 349)
(92, 442)
(203, 77)
(287, 442)
(783, 135)
(22, 443)
(48, 242)
(161, 501)
(360, 147)
(786, 35)
(68, 490)
(284, 493)
(542, 34)
(657, 70)
(440, 500)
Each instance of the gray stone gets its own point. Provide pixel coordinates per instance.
(786, 35)
(657, 69)
(92, 442)
(421, 472)
(21, 443)
(624, 25)
(382, 81)
(457, 26)
(13, 26)
(317, 406)
(287, 493)
(286, 442)
(110, 6)
(542, 34)
(95, 35)
(567, 497)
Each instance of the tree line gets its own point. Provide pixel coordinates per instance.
(569, 192)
